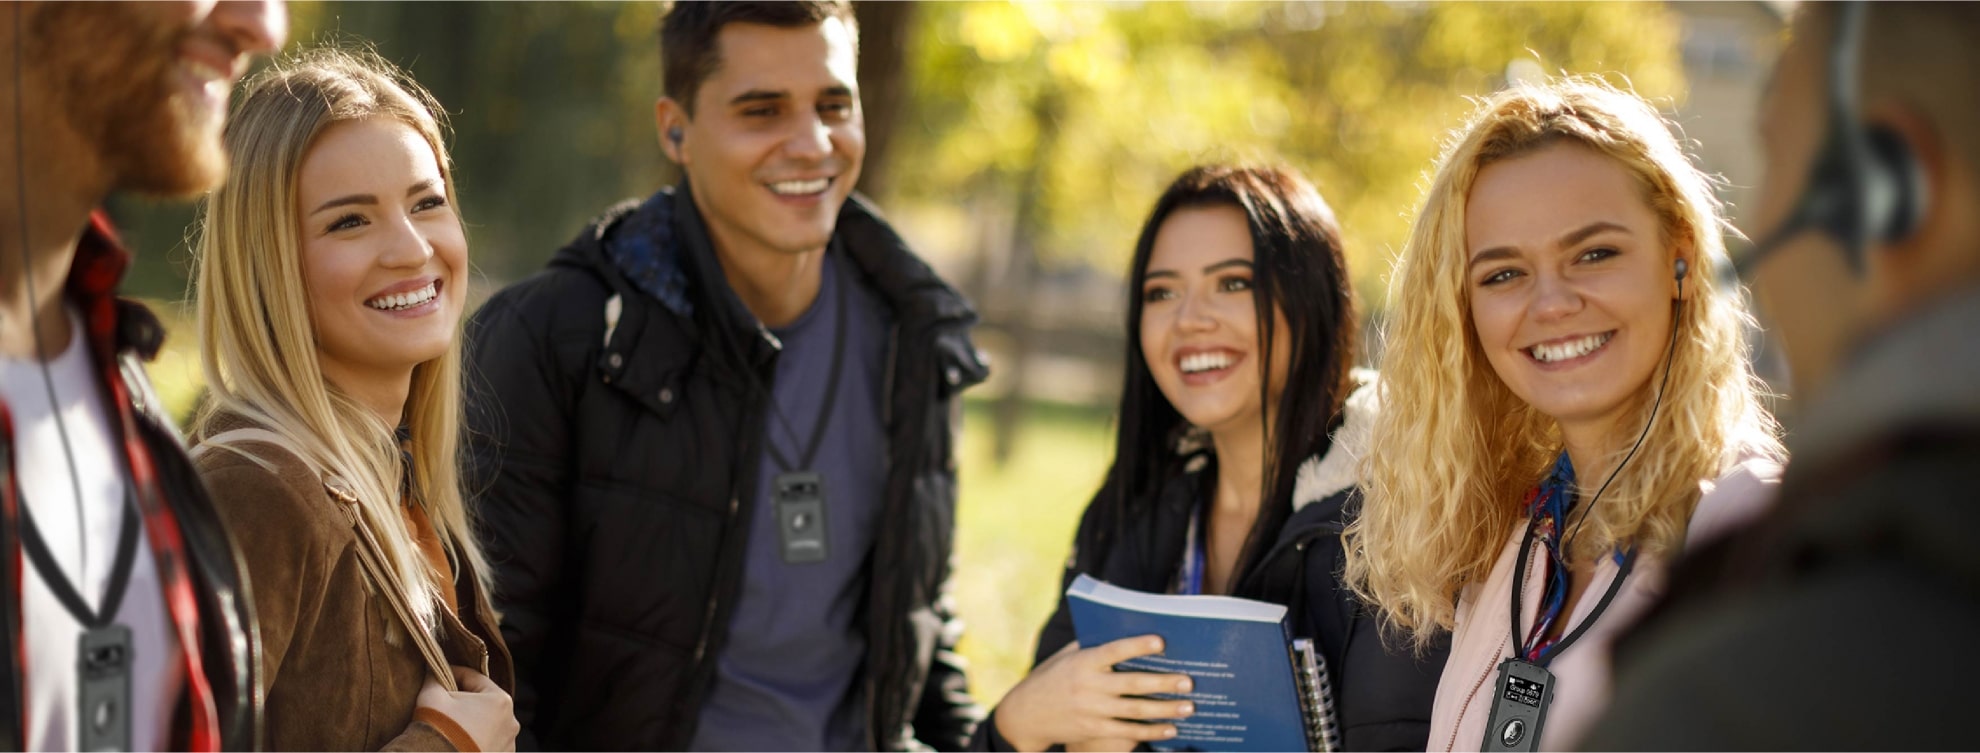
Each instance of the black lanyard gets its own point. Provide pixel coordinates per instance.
(125, 561)
(1525, 688)
(1519, 584)
(105, 650)
(810, 449)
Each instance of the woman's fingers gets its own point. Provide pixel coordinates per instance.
(471, 681)
(1127, 648)
(1144, 683)
(1117, 729)
(1146, 709)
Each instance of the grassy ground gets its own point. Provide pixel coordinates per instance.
(1014, 531)
(1014, 527)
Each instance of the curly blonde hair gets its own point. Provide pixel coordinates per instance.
(1455, 450)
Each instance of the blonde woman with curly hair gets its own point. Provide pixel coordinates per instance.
(332, 272)
(1568, 404)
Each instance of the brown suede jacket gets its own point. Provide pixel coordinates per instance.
(338, 667)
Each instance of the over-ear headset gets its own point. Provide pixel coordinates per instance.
(1865, 185)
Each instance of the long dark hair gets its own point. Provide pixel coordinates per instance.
(1299, 270)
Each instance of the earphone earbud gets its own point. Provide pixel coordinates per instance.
(674, 135)
(1682, 269)
(1866, 186)
(1895, 197)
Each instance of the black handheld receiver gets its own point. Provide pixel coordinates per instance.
(1519, 707)
(800, 503)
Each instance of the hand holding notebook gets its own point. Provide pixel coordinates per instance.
(1254, 687)
(1076, 696)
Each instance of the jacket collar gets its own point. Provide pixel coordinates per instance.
(110, 324)
(695, 255)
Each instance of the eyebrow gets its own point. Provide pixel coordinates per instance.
(1225, 264)
(1569, 238)
(767, 95)
(366, 199)
(757, 95)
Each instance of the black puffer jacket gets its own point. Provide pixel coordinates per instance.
(614, 436)
(1383, 694)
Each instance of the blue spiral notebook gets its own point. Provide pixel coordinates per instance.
(1254, 687)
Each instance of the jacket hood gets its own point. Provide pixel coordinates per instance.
(1339, 469)
(660, 248)
(1325, 475)
(638, 239)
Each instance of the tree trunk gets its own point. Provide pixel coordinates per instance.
(885, 29)
(1018, 280)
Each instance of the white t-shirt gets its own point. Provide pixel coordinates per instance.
(83, 541)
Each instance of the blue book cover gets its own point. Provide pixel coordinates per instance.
(1234, 650)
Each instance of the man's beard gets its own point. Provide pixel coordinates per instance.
(114, 74)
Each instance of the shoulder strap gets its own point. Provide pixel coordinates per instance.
(371, 555)
(227, 440)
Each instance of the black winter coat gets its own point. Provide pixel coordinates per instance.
(1383, 694)
(614, 435)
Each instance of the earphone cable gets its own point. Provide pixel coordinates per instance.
(1567, 541)
(34, 306)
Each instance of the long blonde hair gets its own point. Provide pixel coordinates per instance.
(1455, 451)
(259, 343)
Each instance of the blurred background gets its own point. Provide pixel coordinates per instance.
(1018, 147)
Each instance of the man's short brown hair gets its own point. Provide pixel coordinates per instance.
(1919, 52)
(688, 55)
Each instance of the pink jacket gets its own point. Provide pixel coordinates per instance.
(1480, 640)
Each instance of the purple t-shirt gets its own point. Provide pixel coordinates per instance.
(788, 678)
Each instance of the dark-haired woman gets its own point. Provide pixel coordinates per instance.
(1234, 465)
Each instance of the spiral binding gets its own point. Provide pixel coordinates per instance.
(1316, 688)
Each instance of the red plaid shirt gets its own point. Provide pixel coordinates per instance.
(99, 265)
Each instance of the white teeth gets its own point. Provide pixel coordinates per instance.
(1201, 362)
(1576, 348)
(202, 70)
(800, 187)
(402, 301)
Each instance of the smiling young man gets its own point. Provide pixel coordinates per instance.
(714, 438)
(125, 622)
(1845, 621)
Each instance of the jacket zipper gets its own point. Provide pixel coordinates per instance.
(744, 475)
(714, 596)
(1489, 668)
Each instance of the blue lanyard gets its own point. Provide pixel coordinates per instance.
(1549, 507)
(1195, 556)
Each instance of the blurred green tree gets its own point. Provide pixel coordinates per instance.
(551, 106)
(1049, 127)
(1088, 109)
